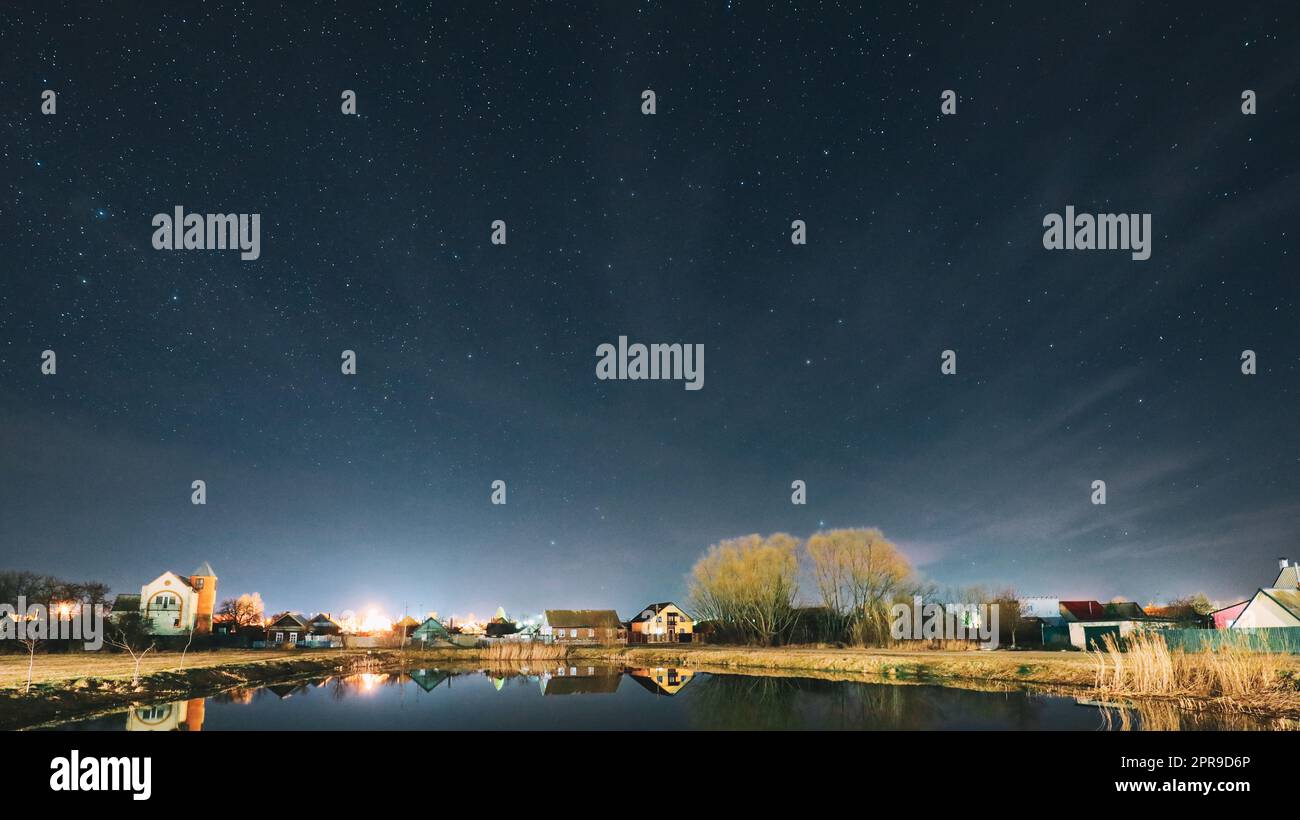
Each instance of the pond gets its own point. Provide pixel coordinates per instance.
(596, 697)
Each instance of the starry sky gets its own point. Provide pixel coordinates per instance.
(477, 362)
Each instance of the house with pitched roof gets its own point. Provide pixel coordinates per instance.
(431, 631)
(174, 604)
(663, 622)
(582, 626)
(1090, 622)
(287, 629)
(1274, 607)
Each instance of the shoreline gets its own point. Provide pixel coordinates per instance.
(104, 687)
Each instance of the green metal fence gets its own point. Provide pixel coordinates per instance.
(1277, 639)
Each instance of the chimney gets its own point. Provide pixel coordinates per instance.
(1281, 563)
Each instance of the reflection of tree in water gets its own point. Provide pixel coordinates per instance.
(742, 702)
(752, 702)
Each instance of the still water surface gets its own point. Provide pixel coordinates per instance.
(592, 697)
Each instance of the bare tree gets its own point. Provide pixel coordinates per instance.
(186, 650)
(859, 574)
(131, 635)
(246, 610)
(32, 644)
(1013, 613)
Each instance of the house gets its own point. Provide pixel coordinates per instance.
(1275, 606)
(582, 626)
(661, 623)
(405, 627)
(500, 625)
(1270, 608)
(1226, 617)
(174, 604)
(1088, 623)
(123, 604)
(430, 631)
(324, 625)
(289, 628)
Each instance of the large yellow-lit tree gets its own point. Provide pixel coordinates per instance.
(859, 574)
(747, 586)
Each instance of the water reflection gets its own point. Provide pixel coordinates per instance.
(552, 696)
(181, 716)
(662, 680)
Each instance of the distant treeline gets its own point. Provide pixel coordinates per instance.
(47, 589)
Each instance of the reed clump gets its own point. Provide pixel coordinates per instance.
(1142, 664)
(507, 652)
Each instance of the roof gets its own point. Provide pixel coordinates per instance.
(1124, 609)
(293, 619)
(184, 579)
(431, 625)
(126, 603)
(323, 617)
(407, 621)
(1083, 610)
(655, 609)
(206, 570)
(565, 618)
(1288, 599)
(1097, 611)
(1288, 578)
(1237, 606)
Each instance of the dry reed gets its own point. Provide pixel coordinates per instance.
(516, 651)
(1143, 664)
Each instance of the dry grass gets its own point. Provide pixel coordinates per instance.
(1235, 675)
(517, 651)
(1057, 668)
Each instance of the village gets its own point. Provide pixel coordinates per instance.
(175, 607)
(178, 641)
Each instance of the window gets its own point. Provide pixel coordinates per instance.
(591, 633)
(165, 601)
(279, 637)
(198, 583)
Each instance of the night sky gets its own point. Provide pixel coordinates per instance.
(477, 362)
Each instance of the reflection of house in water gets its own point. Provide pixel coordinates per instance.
(429, 679)
(662, 680)
(181, 716)
(579, 680)
(285, 690)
